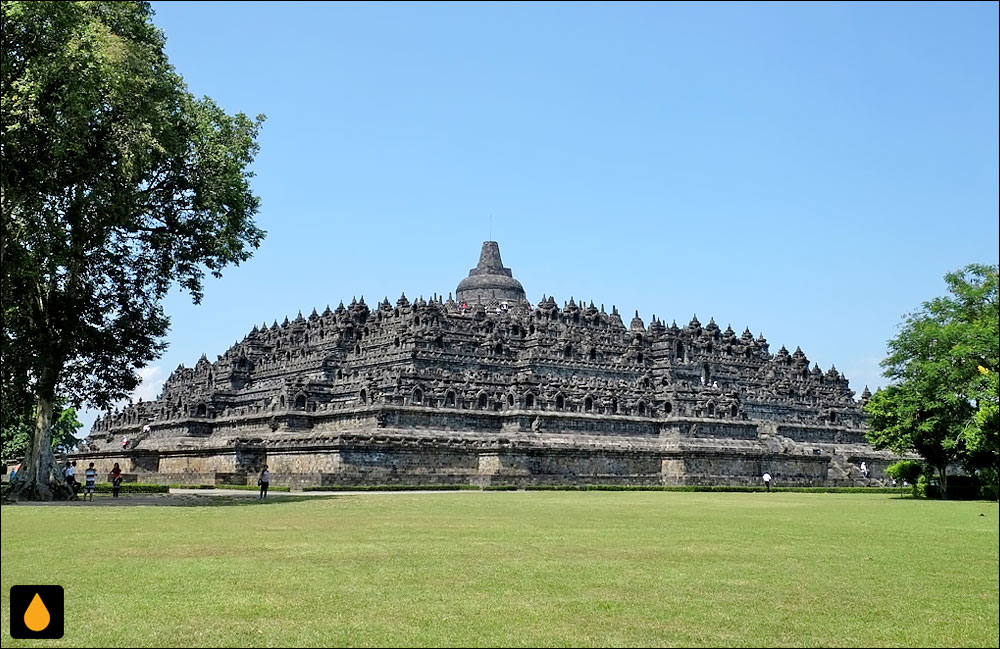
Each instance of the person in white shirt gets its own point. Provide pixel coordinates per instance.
(767, 480)
(264, 481)
(70, 473)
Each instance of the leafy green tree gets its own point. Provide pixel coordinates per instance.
(116, 183)
(905, 471)
(943, 363)
(981, 436)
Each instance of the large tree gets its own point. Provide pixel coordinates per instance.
(116, 183)
(942, 403)
(65, 424)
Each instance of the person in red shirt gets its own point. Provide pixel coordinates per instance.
(116, 480)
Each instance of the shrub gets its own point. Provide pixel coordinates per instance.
(989, 492)
(132, 488)
(924, 488)
(963, 487)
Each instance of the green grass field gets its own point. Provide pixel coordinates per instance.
(522, 568)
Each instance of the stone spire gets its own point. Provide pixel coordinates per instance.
(637, 324)
(489, 261)
(489, 280)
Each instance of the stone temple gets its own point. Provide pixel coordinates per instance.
(489, 389)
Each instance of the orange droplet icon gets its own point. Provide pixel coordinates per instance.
(37, 616)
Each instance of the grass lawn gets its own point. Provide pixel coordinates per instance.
(516, 569)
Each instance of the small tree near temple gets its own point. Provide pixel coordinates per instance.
(905, 471)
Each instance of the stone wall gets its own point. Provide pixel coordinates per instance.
(397, 457)
(828, 434)
(715, 468)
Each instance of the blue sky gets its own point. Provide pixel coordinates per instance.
(808, 170)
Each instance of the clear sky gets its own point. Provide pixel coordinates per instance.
(810, 171)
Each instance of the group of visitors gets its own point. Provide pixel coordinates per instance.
(115, 478)
(90, 479)
(500, 308)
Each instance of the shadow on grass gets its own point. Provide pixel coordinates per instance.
(243, 501)
(175, 500)
(924, 499)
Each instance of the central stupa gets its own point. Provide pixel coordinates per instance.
(489, 281)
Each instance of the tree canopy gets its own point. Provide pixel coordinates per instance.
(943, 402)
(117, 183)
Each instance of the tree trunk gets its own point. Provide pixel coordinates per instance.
(943, 474)
(38, 479)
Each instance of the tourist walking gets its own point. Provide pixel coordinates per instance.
(864, 470)
(264, 480)
(90, 482)
(767, 480)
(116, 480)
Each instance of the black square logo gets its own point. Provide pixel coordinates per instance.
(36, 612)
